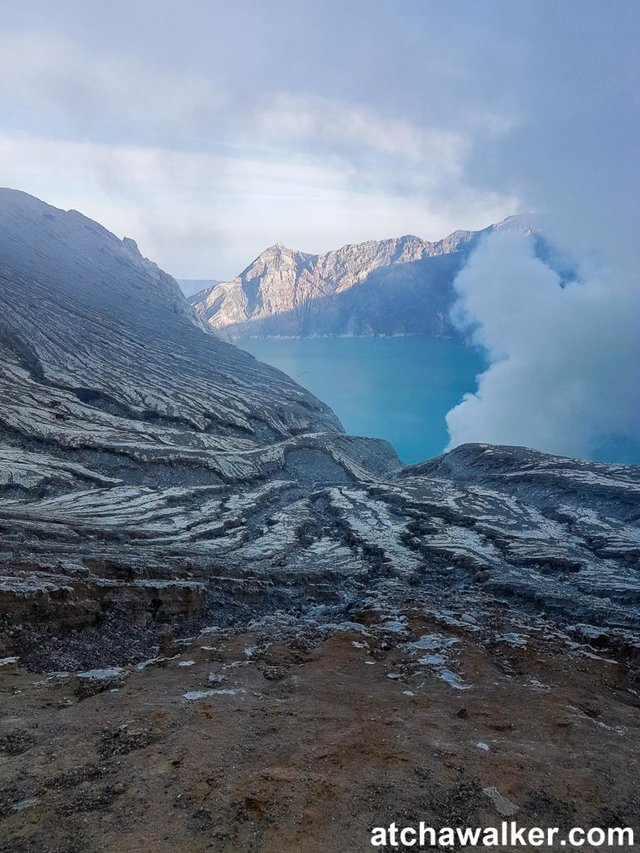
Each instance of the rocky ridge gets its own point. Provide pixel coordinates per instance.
(386, 287)
(152, 475)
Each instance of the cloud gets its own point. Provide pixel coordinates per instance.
(334, 123)
(206, 162)
(205, 215)
(59, 85)
(564, 359)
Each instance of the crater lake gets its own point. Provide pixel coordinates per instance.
(399, 389)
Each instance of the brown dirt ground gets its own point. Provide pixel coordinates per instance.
(319, 748)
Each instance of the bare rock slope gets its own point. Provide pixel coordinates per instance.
(381, 287)
(151, 474)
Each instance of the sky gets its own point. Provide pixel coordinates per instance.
(210, 130)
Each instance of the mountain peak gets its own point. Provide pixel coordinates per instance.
(400, 285)
(521, 222)
(278, 249)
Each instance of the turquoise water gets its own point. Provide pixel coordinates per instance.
(394, 388)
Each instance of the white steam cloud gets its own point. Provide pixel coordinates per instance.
(564, 374)
(564, 356)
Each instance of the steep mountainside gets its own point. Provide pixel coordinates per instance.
(100, 351)
(387, 287)
(150, 472)
(209, 592)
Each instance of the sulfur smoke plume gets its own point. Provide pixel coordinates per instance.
(564, 347)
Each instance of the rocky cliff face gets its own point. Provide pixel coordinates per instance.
(151, 474)
(387, 287)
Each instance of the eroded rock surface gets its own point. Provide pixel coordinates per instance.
(153, 475)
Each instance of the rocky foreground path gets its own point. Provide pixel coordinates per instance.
(302, 737)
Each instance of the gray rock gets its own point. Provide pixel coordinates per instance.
(151, 473)
(401, 286)
(502, 805)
